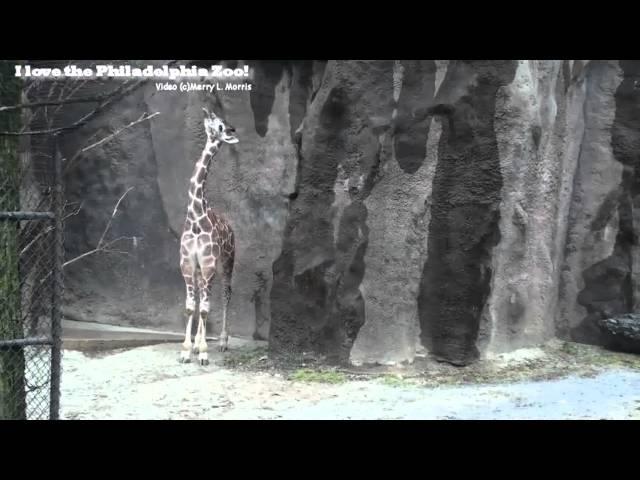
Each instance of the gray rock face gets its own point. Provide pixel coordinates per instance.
(593, 222)
(610, 277)
(380, 207)
(316, 295)
(541, 132)
(465, 210)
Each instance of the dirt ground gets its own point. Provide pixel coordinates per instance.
(555, 381)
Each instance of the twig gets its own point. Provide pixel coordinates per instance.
(32, 388)
(71, 93)
(143, 118)
(65, 101)
(101, 246)
(116, 94)
(120, 252)
(79, 257)
(115, 240)
(47, 230)
(115, 210)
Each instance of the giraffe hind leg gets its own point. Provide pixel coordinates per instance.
(227, 273)
(196, 343)
(208, 275)
(190, 307)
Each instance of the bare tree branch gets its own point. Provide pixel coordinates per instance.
(123, 90)
(47, 230)
(65, 97)
(80, 257)
(116, 240)
(142, 118)
(61, 101)
(32, 388)
(101, 246)
(68, 100)
(73, 91)
(115, 210)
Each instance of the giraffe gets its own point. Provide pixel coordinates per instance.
(207, 246)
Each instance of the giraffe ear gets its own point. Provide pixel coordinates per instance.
(211, 114)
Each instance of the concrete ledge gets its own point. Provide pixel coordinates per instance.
(99, 345)
(94, 337)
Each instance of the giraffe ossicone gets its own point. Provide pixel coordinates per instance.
(207, 246)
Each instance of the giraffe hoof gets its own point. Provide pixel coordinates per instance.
(222, 348)
(203, 359)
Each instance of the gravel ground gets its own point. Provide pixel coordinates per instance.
(149, 383)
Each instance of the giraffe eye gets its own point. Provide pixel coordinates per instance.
(220, 128)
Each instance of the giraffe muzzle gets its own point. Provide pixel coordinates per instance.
(229, 135)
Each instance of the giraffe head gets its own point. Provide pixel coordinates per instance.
(218, 129)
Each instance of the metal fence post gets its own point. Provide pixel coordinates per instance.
(56, 317)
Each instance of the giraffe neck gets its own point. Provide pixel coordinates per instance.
(197, 197)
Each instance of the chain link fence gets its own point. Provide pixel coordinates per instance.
(38, 117)
(30, 286)
(30, 273)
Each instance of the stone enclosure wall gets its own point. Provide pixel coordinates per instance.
(380, 207)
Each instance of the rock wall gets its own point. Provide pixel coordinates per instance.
(381, 207)
(249, 182)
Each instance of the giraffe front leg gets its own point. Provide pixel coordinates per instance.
(203, 356)
(196, 342)
(185, 354)
(205, 295)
